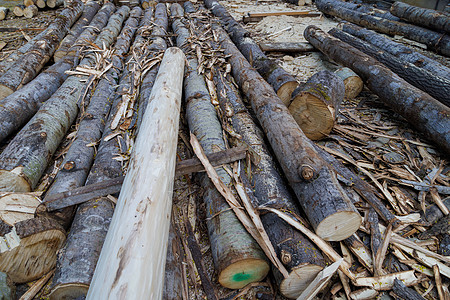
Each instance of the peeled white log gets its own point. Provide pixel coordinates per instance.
(132, 261)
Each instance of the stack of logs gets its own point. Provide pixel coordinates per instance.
(286, 205)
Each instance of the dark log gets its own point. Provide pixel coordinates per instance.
(434, 40)
(30, 11)
(300, 257)
(237, 257)
(369, 9)
(399, 50)
(435, 86)
(433, 213)
(27, 67)
(287, 47)
(90, 9)
(19, 107)
(328, 208)
(402, 291)
(424, 112)
(39, 139)
(281, 81)
(18, 10)
(55, 3)
(352, 82)
(3, 12)
(422, 16)
(315, 104)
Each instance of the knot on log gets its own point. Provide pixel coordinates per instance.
(307, 172)
(286, 257)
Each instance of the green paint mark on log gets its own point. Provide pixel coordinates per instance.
(241, 277)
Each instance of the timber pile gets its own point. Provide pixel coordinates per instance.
(362, 213)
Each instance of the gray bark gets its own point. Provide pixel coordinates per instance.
(286, 47)
(55, 3)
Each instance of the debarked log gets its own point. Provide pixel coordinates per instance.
(328, 208)
(132, 259)
(315, 104)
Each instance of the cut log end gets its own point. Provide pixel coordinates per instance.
(13, 182)
(339, 226)
(352, 82)
(314, 117)
(298, 280)
(4, 90)
(285, 91)
(69, 291)
(243, 272)
(17, 207)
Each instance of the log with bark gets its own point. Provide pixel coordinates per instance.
(132, 259)
(173, 280)
(427, 81)
(18, 10)
(281, 81)
(21, 169)
(434, 40)
(90, 9)
(3, 12)
(352, 82)
(422, 16)
(237, 257)
(399, 50)
(300, 257)
(29, 2)
(41, 4)
(369, 9)
(28, 66)
(30, 12)
(424, 112)
(19, 107)
(55, 3)
(315, 104)
(328, 208)
(286, 47)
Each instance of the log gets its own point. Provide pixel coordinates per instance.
(90, 9)
(352, 82)
(286, 47)
(29, 2)
(256, 17)
(424, 112)
(41, 4)
(369, 9)
(237, 257)
(401, 51)
(282, 82)
(7, 287)
(55, 3)
(330, 211)
(315, 104)
(424, 17)
(19, 107)
(30, 11)
(434, 40)
(173, 280)
(18, 10)
(435, 86)
(404, 292)
(131, 263)
(27, 67)
(3, 13)
(28, 251)
(21, 170)
(17, 207)
(300, 257)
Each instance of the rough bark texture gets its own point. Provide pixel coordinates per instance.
(7, 287)
(328, 208)
(434, 40)
(435, 86)
(295, 2)
(316, 103)
(286, 47)
(232, 246)
(399, 50)
(369, 9)
(281, 81)
(424, 112)
(28, 66)
(90, 9)
(402, 291)
(433, 213)
(19, 107)
(422, 16)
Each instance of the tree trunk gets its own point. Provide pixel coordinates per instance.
(426, 113)
(28, 250)
(19, 107)
(237, 257)
(29, 2)
(41, 4)
(78, 159)
(316, 103)
(281, 81)
(369, 9)
(26, 156)
(352, 82)
(90, 9)
(434, 41)
(422, 16)
(131, 263)
(28, 66)
(399, 50)
(173, 279)
(300, 257)
(55, 3)
(18, 10)
(435, 86)
(3, 13)
(286, 47)
(30, 12)
(330, 211)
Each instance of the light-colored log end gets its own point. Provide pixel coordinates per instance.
(69, 291)
(243, 272)
(352, 82)
(5, 91)
(315, 118)
(12, 181)
(339, 226)
(298, 280)
(58, 55)
(17, 207)
(285, 91)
